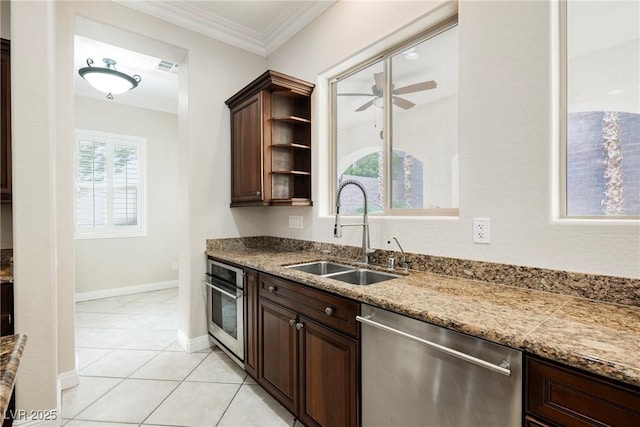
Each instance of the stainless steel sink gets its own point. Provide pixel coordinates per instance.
(343, 273)
(320, 268)
(362, 277)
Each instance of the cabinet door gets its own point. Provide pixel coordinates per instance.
(328, 377)
(247, 151)
(278, 353)
(251, 323)
(5, 122)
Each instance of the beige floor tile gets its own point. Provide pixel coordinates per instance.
(174, 347)
(86, 356)
(78, 398)
(131, 401)
(119, 363)
(98, 306)
(194, 404)
(154, 297)
(249, 380)
(132, 307)
(252, 406)
(219, 368)
(170, 365)
(81, 423)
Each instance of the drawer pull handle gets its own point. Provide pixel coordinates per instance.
(292, 322)
(258, 193)
(299, 326)
(272, 289)
(329, 311)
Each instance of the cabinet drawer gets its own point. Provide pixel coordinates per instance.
(565, 396)
(6, 298)
(332, 310)
(6, 324)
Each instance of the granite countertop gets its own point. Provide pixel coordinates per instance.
(601, 338)
(6, 274)
(11, 348)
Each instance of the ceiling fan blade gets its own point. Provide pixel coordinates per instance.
(355, 94)
(379, 78)
(366, 105)
(416, 87)
(403, 103)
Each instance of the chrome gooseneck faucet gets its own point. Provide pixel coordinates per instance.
(405, 264)
(337, 228)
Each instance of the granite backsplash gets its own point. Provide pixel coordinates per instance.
(610, 289)
(5, 257)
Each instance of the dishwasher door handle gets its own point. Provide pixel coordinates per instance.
(463, 356)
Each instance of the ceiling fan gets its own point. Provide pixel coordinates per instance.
(377, 91)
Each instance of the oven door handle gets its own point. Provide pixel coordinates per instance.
(222, 291)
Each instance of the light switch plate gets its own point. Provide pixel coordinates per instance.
(295, 221)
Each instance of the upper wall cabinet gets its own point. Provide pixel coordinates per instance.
(271, 142)
(5, 122)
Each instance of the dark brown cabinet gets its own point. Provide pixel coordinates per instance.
(6, 309)
(6, 328)
(308, 351)
(5, 122)
(278, 353)
(251, 323)
(558, 395)
(271, 142)
(328, 376)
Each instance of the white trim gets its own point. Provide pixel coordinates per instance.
(191, 345)
(125, 290)
(68, 379)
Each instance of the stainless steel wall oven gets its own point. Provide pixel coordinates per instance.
(224, 292)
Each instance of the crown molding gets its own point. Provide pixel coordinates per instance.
(192, 17)
(291, 22)
(201, 21)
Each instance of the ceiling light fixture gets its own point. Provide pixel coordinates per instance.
(108, 80)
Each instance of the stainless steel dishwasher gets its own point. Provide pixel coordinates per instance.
(418, 374)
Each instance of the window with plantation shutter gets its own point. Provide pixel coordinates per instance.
(109, 195)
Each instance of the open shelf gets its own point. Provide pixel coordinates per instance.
(292, 146)
(291, 119)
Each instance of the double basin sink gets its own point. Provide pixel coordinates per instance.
(343, 273)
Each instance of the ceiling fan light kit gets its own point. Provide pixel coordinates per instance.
(107, 79)
(377, 91)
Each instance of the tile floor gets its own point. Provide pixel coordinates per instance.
(134, 373)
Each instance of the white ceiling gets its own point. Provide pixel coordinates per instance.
(256, 26)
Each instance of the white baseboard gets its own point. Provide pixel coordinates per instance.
(194, 344)
(127, 290)
(68, 379)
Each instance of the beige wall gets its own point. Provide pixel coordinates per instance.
(6, 227)
(6, 222)
(112, 263)
(507, 132)
(5, 19)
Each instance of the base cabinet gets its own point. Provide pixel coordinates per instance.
(328, 376)
(557, 395)
(278, 360)
(307, 365)
(251, 323)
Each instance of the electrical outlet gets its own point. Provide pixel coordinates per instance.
(295, 221)
(481, 230)
(174, 266)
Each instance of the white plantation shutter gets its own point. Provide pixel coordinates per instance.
(109, 185)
